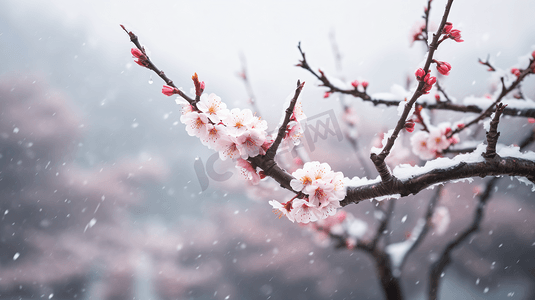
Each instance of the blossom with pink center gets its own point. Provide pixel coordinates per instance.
(443, 67)
(310, 172)
(248, 171)
(250, 142)
(212, 106)
(328, 210)
(320, 193)
(437, 140)
(303, 211)
(214, 133)
(186, 107)
(283, 209)
(294, 132)
(419, 143)
(237, 121)
(228, 147)
(196, 124)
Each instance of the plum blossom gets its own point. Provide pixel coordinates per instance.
(419, 145)
(283, 209)
(248, 171)
(250, 142)
(323, 190)
(212, 106)
(196, 124)
(304, 211)
(427, 145)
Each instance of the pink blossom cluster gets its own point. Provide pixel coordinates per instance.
(233, 133)
(322, 189)
(429, 145)
(426, 78)
(451, 33)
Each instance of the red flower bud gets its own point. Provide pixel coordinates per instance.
(443, 67)
(516, 72)
(327, 94)
(447, 28)
(437, 97)
(420, 73)
(409, 126)
(455, 34)
(355, 83)
(364, 84)
(169, 90)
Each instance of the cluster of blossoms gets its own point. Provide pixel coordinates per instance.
(425, 77)
(343, 227)
(517, 72)
(236, 134)
(451, 33)
(322, 189)
(429, 145)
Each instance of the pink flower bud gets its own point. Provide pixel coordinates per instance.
(169, 90)
(355, 83)
(431, 80)
(443, 67)
(437, 97)
(447, 28)
(420, 73)
(460, 125)
(136, 52)
(516, 72)
(531, 120)
(364, 84)
(409, 126)
(455, 34)
(326, 95)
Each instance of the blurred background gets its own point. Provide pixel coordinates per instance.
(103, 195)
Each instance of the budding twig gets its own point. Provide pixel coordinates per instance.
(493, 134)
(150, 65)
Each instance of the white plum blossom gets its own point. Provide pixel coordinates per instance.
(429, 145)
(196, 124)
(248, 171)
(212, 106)
(304, 211)
(323, 190)
(282, 209)
(250, 143)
